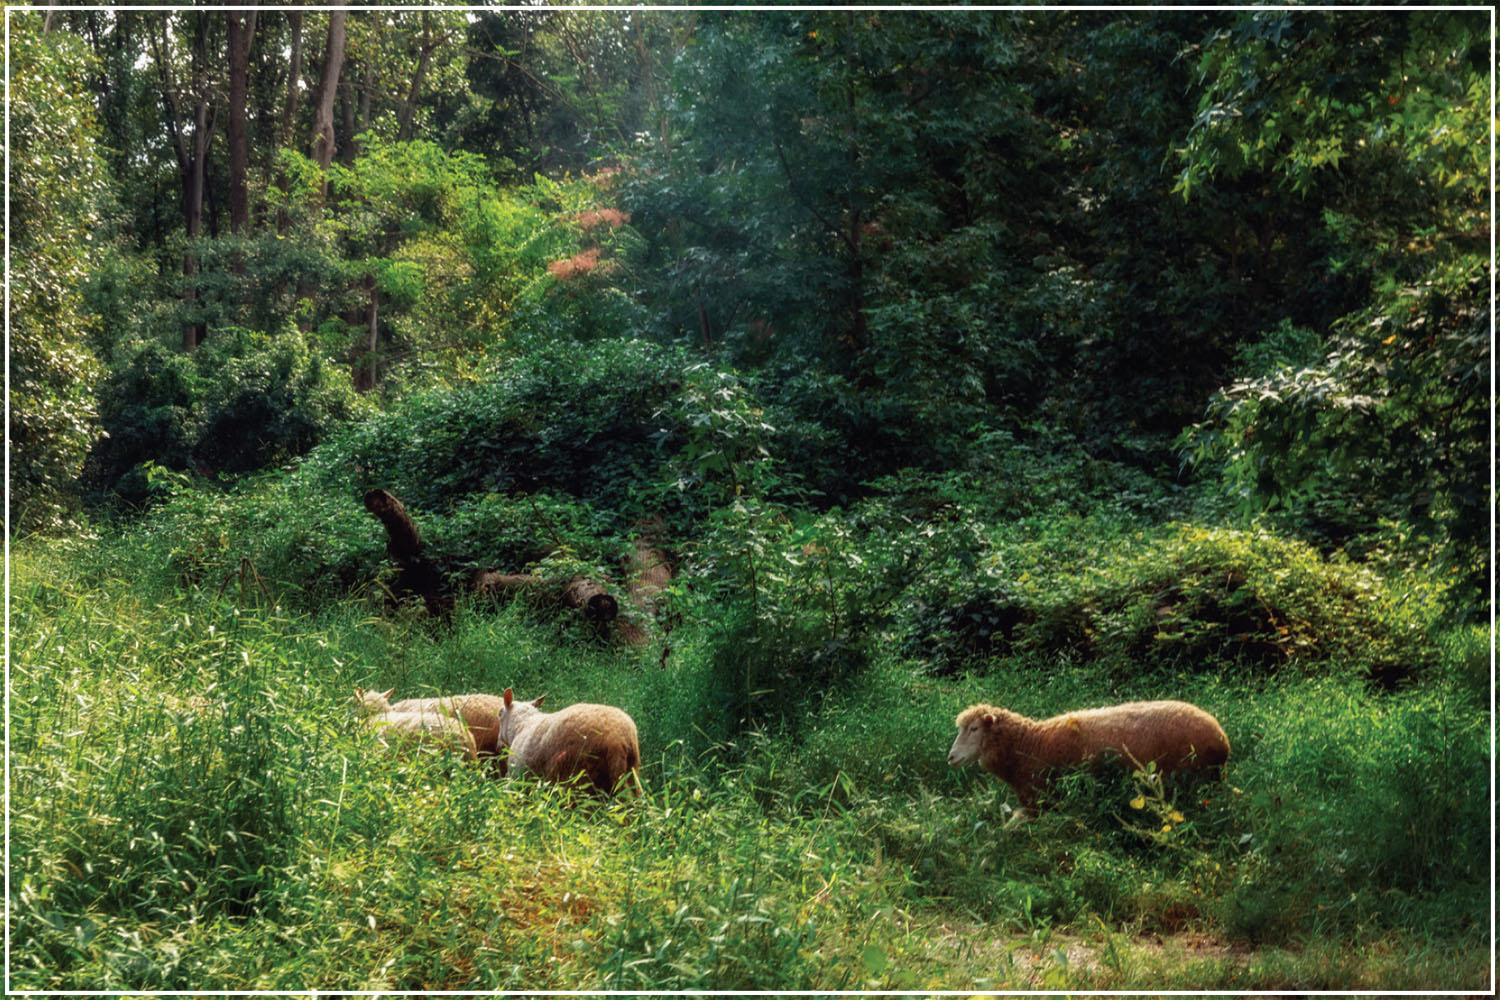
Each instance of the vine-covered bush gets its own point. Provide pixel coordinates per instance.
(595, 421)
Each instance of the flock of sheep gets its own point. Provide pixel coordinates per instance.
(593, 744)
(596, 745)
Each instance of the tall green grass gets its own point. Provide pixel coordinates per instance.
(192, 808)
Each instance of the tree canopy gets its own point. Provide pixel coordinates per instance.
(1239, 248)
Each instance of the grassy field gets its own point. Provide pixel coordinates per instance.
(192, 808)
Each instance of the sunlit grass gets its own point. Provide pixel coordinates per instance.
(193, 808)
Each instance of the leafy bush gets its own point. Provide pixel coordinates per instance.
(60, 188)
(783, 598)
(597, 421)
(240, 401)
(1176, 596)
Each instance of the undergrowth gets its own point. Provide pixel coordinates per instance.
(193, 808)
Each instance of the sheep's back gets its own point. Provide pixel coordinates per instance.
(480, 712)
(599, 741)
(428, 726)
(1173, 734)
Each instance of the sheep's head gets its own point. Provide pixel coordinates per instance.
(371, 702)
(515, 715)
(975, 724)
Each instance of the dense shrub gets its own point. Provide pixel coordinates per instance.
(1181, 595)
(239, 402)
(583, 419)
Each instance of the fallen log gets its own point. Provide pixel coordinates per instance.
(597, 605)
(404, 545)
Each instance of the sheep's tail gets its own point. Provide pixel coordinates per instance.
(623, 767)
(633, 771)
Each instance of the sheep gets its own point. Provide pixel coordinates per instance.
(367, 703)
(438, 725)
(1173, 735)
(596, 742)
(480, 712)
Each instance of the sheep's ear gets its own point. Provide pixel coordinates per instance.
(387, 693)
(507, 697)
(538, 702)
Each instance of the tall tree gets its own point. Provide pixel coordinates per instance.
(58, 187)
(192, 133)
(324, 143)
(241, 33)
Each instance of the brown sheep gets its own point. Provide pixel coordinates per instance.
(437, 725)
(480, 712)
(595, 742)
(1021, 752)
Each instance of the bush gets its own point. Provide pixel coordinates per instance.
(240, 401)
(581, 419)
(1179, 596)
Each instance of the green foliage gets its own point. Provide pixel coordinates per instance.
(192, 807)
(785, 597)
(1388, 420)
(1390, 423)
(589, 420)
(60, 189)
(236, 404)
(1173, 598)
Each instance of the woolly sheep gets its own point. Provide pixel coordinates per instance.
(480, 712)
(597, 742)
(1021, 752)
(438, 725)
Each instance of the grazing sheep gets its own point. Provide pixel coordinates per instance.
(480, 712)
(1021, 752)
(438, 725)
(597, 742)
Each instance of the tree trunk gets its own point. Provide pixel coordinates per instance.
(289, 108)
(406, 115)
(192, 153)
(241, 31)
(192, 216)
(346, 150)
(323, 144)
(366, 88)
(293, 82)
(366, 365)
(404, 545)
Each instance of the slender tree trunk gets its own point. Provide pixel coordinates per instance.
(192, 156)
(366, 367)
(289, 107)
(241, 31)
(407, 113)
(366, 89)
(346, 150)
(323, 144)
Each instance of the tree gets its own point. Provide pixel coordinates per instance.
(58, 191)
(192, 136)
(1384, 412)
(863, 195)
(241, 33)
(324, 143)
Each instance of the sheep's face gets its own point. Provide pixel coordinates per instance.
(516, 715)
(970, 742)
(371, 702)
